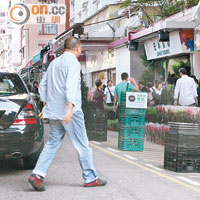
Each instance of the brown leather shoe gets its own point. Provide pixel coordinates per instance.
(96, 183)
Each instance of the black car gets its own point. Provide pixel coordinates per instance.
(21, 131)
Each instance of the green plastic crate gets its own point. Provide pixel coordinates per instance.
(131, 132)
(131, 144)
(132, 120)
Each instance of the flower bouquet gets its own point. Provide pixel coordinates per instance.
(181, 114)
(156, 132)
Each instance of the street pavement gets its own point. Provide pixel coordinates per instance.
(130, 176)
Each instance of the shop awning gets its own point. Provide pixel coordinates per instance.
(196, 13)
(45, 49)
(95, 45)
(58, 43)
(164, 25)
(29, 64)
(48, 57)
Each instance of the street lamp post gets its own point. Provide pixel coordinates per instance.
(26, 29)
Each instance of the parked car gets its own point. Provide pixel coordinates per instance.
(21, 130)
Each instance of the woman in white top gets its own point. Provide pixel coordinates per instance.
(109, 93)
(157, 92)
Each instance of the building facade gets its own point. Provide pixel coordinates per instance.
(34, 37)
(4, 40)
(83, 9)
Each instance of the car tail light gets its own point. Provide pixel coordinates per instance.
(27, 116)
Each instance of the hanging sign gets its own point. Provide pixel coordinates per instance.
(136, 100)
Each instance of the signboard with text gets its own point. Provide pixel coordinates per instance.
(180, 42)
(136, 100)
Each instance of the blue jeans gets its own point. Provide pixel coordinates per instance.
(77, 133)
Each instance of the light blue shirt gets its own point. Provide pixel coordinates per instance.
(60, 85)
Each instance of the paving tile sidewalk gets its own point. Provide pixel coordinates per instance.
(153, 153)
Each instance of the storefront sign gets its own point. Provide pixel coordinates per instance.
(136, 100)
(36, 58)
(45, 58)
(197, 38)
(180, 42)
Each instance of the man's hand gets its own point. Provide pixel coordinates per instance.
(132, 80)
(69, 114)
(41, 115)
(196, 101)
(175, 102)
(115, 103)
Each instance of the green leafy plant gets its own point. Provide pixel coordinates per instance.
(84, 91)
(148, 73)
(113, 125)
(178, 65)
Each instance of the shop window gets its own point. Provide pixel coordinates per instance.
(48, 1)
(96, 5)
(2, 31)
(23, 52)
(47, 28)
(2, 14)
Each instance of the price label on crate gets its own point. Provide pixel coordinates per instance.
(136, 100)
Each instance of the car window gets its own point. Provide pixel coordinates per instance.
(11, 84)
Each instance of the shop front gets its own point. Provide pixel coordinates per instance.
(37, 64)
(26, 72)
(101, 64)
(168, 57)
(196, 57)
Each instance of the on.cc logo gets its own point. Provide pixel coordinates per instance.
(19, 13)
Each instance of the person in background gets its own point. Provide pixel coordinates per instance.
(104, 87)
(157, 92)
(167, 95)
(123, 87)
(185, 91)
(35, 87)
(150, 100)
(141, 86)
(195, 80)
(155, 82)
(98, 95)
(109, 93)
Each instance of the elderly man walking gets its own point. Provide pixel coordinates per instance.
(60, 90)
(185, 90)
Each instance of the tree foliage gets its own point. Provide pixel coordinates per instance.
(164, 8)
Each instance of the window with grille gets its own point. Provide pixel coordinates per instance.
(48, 28)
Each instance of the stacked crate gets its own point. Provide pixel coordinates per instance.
(182, 150)
(131, 127)
(96, 122)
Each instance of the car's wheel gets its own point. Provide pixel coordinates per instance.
(30, 161)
